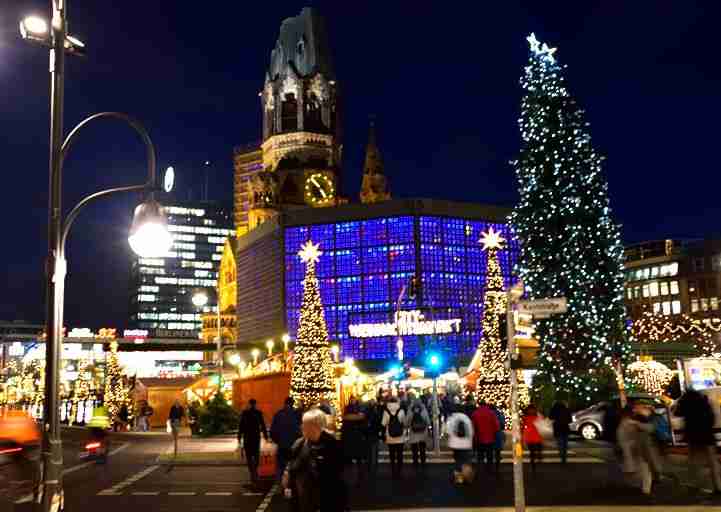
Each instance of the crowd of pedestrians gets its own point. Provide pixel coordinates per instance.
(311, 455)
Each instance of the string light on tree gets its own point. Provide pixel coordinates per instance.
(81, 391)
(115, 394)
(656, 328)
(312, 375)
(570, 246)
(650, 376)
(493, 384)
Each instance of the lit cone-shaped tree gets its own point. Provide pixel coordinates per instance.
(312, 375)
(493, 384)
(570, 246)
(81, 391)
(114, 389)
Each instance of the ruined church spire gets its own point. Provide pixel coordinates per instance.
(374, 187)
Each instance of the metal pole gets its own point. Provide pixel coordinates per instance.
(436, 422)
(518, 487)
(50, 490)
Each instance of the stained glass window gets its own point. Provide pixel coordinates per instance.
(366, 264)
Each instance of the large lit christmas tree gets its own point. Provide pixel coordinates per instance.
(115, 393)
(570, 246)
(493, 385)
(312, 375)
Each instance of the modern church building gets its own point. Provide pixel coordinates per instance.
(408, 269)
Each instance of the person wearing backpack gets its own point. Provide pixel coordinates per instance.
(394, 421)
(460, 440)
(418, 423)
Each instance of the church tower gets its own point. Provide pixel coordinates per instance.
(374, 187)
(301, 129)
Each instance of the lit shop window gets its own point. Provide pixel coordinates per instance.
(666, 308)
(645, 290)
(152, 271)
(654, 272)
(664, 288)
(694, 305)
(674, 287)
(676, 307)
(653, 289)
(657, 307)
(714, 303)
(704, 304)
(152, 262)
(670, 269)
(629, 293)
(177, 210)
(181, 326)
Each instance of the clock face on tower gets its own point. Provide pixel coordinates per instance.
(319, 189)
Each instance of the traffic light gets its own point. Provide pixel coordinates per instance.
(434, 364)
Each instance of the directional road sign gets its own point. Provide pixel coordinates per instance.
(541, 308)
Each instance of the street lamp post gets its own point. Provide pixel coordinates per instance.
(519, 493)
(148, 218)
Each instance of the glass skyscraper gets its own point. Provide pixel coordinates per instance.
(162, 288)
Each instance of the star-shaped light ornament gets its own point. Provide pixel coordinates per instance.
(309, 252)
(492, 240)
(541, 49)
(534, 43)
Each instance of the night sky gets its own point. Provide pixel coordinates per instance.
(441, 79)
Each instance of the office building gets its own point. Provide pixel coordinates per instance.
(162, 288)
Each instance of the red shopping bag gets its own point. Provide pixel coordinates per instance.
(267, 466)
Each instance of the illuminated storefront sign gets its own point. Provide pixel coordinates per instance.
(135, 333)
(406, 323)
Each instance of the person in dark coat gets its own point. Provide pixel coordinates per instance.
(374, 433)
(353, 433)
(285, 431)
(560, 415)
(698, 428)
(314, 476)
(250, 428)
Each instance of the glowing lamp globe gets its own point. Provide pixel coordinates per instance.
(200, 299)
(33, 27)
(149, 235)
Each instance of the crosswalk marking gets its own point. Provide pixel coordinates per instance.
(144, 493)
(184, 493)
(218, 493)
